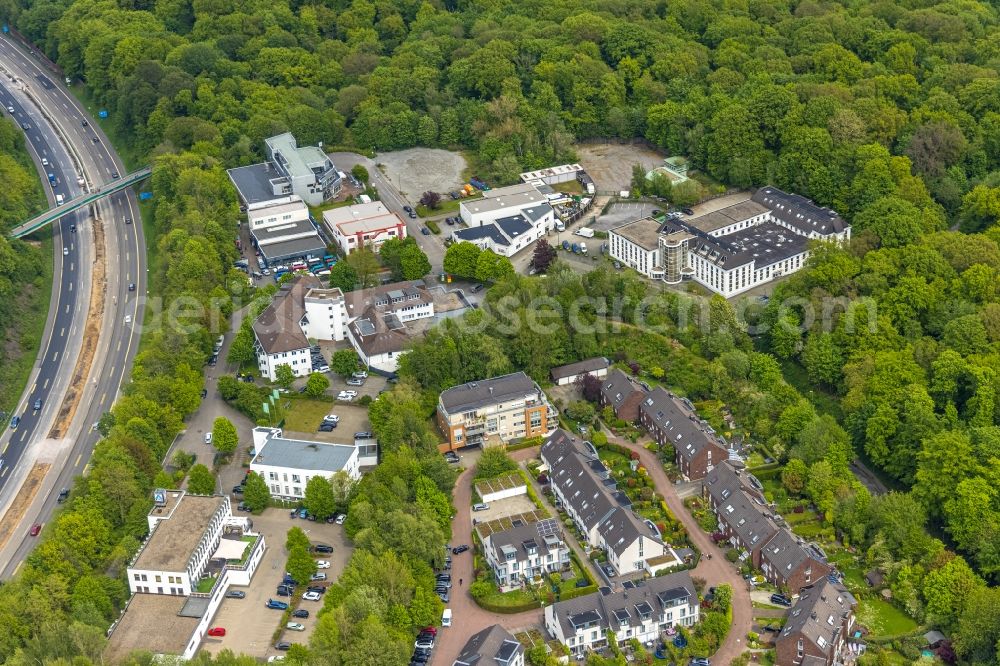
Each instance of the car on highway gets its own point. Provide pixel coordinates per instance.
(300, 612)
(295, 626)
(25, 126)
(131, 286)
(63, 495)
(114, 175)
(72, 228)
(38, 404)
(84, 123)
(217, 631)
(236, 594)
(35, 529)
(276, 605)
(128, 319)
(95, 140)
(128, 220)
(10, 109)
(308, 596)
(65, 251)
(14, 422)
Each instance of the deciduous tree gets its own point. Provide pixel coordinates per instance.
(201, 481)
(224, 436)
(316, 385)
(319, 500)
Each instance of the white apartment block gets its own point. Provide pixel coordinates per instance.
(731, 249)
(286, 465)
(643, 612)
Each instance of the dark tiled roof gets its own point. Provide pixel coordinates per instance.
(473, 395)
(579, 368)
(819, 614)
(799, 212)
(784, 553)
(493, 646)
(278, 328)
(473, 234)
(687, 433)
(617, 387)
(513, 226)
(622, 528)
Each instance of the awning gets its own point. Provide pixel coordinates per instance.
(230, 549)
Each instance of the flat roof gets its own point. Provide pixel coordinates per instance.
(473, 395)
(361, 218)
(294, 247)
(513, 196)
(294, 158)
(152, 623)
(173, 540)
(562, 169)
(644, 232)
(279, 207)
(302, 454)
(253, 182)
(580, 367)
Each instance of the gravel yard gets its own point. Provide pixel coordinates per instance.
(416, 170)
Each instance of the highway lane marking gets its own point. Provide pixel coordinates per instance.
(3, 472)
(85, 468)
(55, 356)
(104, 396)
(62, 332)
(24, 433)
(71, 286)
(78, 459)
(5, 447)
(14, 572)
(46, 385)
(119, 345)
(67, 308)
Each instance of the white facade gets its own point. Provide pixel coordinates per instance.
(363, 225)
(326, 315)
(286, 465)
(520, 556)
(645, 260)
(501, 202)
(297, 359)
(286, 210)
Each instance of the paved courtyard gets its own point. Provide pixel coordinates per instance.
(620, 213)
(610, 164)
(249, 624)
(416, 170)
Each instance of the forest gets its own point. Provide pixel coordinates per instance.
(887, 111)
(25, 268)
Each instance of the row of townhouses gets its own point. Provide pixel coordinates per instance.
(669, 419)
(584, 488)
(643, 612)
(818, 629)
(525, 552)
(378, 322)
(731, 249)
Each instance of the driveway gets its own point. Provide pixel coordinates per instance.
(249, 624)
(715, 571)
(467, 617)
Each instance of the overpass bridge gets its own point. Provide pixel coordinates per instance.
(53, 214)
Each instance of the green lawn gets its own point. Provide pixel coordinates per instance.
(513, 598)
(205, 585)
(883, 619)
(304, 415)
(447, 205)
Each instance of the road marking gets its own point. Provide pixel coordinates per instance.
(4, 471)
(71, 286)
(62, 332)
(67, 308)
(46, 385)
(33, 387)
(78, 459)
(23, 434)
(14, 573)
(104, 396)
(5, 447)
(55, 356)
(119, 345)
(85, 468)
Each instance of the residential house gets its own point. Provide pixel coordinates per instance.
(789, 564)
(493, 646)
(672, 420)
(743, 518)
(524, 552)
(500, 408)
(363, 225)
(564, 375)
(286, 464)
(590, 497)
(623, 395)
(818, 627)
(381, 329)
(506, 220)
(642, 612)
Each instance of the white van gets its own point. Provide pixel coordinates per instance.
(446, 618)
(560, 226)
(208, 438)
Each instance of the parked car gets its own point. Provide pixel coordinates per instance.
(429, 630)
(347, 395)
(364, 434)
(276, 605)
(284, 590)
(699, 661)
(295, 626)
(318, 576)
(238, 490)
(208, 438)
(243, 506)
(217, 631)
(341, 517)
(300, 612)
(482, 506)
(331, 418)
(425, 231)
(450, 221)
(283, 645)
(326, 427)
(476, 288)
(355, 382)
(459, 549)
(407, 209)
(311, 596)
(688, 211)
(425, 643)
(781, 600)
(14, 422)
(444, 597)
(322, 564)
(236, 594)
(318, 589)
(322, 548)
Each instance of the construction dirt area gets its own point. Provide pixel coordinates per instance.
(610, 164)
(417, 170)
(22, 500)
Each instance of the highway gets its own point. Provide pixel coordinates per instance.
(59, 131)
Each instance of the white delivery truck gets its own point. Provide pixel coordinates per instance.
(59, 200)
(586, 232)
(560, 226)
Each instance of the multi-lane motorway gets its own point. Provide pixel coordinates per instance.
(60, 133)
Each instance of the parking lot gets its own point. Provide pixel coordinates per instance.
(620, 213)
(416, 170)
(510, 506)
(249, 624)
(304, 417)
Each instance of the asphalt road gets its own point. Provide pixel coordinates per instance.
(432, 245)
(42, 102)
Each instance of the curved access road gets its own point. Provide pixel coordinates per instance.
(64, 140)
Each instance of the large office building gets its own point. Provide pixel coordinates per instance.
(305, 171)
(499, 409)
(733, 248)
(196, 550)
(363, 225)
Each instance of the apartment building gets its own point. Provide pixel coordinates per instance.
(520, 554)
(636, 244)
(818, 627)
(499, 409)
(382, 327)
(363, 225)
(622, 394)
(286, 464)
(674, 421)
(642, 612)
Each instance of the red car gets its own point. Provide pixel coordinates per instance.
(430, 630)
(217, 631)
(35, 529)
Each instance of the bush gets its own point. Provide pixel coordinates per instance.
(732, 555)
(433, 226)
